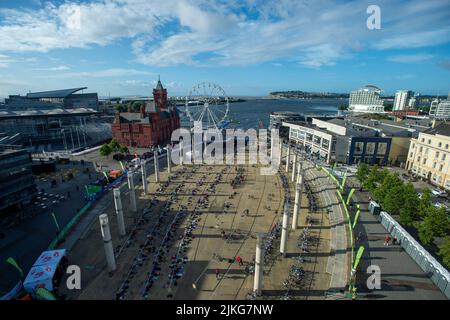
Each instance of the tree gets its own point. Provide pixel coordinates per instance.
(372, 179)
(362, 172)
(391, 184)
(114, 145)
(105, 150)
(444, 251)
(124, 149)
(120, 108)
(410, 201)
(435, 224)
(136, 106)
(424, 203)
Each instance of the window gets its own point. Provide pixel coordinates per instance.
(418, 159)
(434, 165)
(370, 148)
(382, 147)
(423, 139)
(420, 149)
(429, 141)
(424, 161)
(359, 147)
(446, 146)
(440, 144)
(444, 156)
(441, 167)
(437, 155)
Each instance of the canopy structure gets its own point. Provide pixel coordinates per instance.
(49, 257)
(42, 272)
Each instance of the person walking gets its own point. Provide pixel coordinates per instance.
(217, 274)
(239, 260)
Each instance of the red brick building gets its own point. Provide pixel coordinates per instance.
(152, 126)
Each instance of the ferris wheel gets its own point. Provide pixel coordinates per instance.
(208, 104)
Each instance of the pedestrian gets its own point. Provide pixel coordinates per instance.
(387, 239)
(394, 241)
(247, 270)
(223, 234)
(239, 260)
(217, 274)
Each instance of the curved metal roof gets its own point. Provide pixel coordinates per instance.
(371, 86)
(54, 93)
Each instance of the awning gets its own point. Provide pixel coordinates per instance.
(40, 277)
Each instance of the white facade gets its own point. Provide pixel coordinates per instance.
(440, 109)
(315, 140)
(402, 99)
(366, 99)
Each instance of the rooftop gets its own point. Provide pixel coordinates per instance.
(54, 93)
(441, 129)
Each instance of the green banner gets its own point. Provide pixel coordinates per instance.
(121, 164)
(56, 221)
(356, 218)
(45, 294)
(106, 175)
(343, 181)
(358, 257)
(92, 189)
(14, 263)
(350, 196)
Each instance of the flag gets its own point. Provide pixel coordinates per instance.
(344, 179)
(356, 218)
(45, 294)
(121, 164)
(358, 257)
(14, 263)
(350, 196)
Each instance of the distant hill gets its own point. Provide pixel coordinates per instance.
(296, 94)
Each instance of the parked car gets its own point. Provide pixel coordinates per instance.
(438, 193)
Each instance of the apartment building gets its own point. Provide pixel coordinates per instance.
(429, 155)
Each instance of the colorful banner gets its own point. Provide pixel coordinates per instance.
(45, 294)
(358, 257)
(350, 196)
(356, 218)
(14, 263)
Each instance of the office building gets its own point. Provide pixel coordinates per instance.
(54, 99)
(440, 109)
(401, 100)
(355, 139)
(366, 100)
(17, 186)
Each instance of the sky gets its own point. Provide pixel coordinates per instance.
(248, 47)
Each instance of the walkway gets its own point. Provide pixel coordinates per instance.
(401, 277)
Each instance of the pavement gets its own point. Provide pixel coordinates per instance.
(207, 250)
(25, 241)
(401, 277)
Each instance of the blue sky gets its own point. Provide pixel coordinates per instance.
(249, 47)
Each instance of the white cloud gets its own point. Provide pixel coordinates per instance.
(217, 32)
(105, 73)
(410, 58)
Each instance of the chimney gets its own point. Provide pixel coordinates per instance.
(129, 108)
(143, 111)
